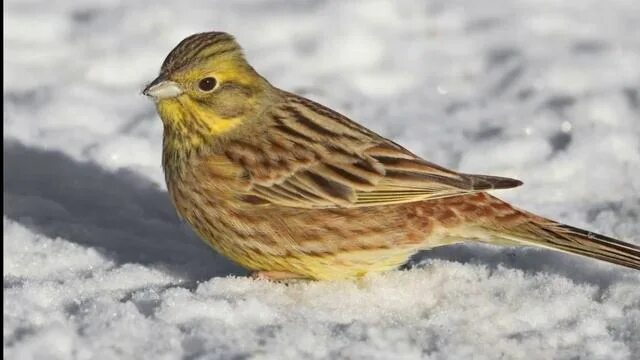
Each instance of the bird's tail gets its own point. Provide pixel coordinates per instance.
(546, 233)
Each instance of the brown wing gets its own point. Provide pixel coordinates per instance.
(313, 157)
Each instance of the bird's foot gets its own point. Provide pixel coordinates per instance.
(279, 276)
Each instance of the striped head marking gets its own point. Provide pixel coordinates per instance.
(198, 48)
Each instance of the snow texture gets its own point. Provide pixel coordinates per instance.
(97, 265)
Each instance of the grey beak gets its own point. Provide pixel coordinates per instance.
(162, 88)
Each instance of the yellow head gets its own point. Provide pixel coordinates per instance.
(206, 88)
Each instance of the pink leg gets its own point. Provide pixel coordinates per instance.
(276, 275)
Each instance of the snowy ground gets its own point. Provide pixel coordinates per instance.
(96, 264)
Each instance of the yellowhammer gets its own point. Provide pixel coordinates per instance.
(291, 189)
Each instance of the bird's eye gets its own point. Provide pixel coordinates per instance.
(207, 84)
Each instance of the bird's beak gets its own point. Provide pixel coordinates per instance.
(161, 88)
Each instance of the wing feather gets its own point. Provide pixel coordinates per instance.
(313, 157)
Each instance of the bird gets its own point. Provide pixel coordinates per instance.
(291, 189)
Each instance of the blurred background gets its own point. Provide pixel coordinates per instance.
(544, 91)
(447, 78)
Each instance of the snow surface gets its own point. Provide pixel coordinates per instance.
(96, 264)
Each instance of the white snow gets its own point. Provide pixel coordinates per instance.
(97, 266)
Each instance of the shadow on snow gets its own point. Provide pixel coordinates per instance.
(121, 214)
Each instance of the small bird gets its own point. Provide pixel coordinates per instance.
(291, 189)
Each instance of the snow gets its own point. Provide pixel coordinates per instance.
(97, 265)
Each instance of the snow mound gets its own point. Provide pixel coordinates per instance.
(97, 265)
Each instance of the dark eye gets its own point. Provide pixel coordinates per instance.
(207, 84)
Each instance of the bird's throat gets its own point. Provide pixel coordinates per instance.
(188, 127)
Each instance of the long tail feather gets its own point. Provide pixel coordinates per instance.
(570, 239)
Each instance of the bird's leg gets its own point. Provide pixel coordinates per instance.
(276, 275)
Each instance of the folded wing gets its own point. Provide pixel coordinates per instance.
(313, 157)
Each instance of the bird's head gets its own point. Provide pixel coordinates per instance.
(206, 87)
